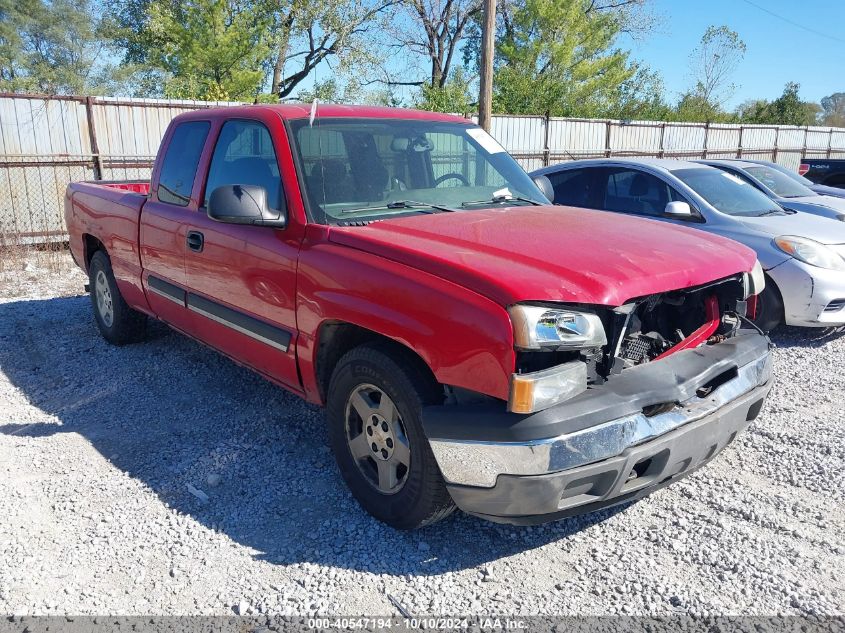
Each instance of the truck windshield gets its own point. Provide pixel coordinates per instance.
(782, 185)
(369, 169)
(726, 192)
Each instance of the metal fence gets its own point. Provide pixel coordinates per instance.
(47, 142)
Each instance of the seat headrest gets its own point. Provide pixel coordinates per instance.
(639, 185)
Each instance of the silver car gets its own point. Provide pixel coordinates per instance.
(782, 188)
(803, 255)
(824, 190)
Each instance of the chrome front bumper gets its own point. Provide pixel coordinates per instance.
(479, 463)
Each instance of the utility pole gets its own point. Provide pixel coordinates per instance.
(485, 96)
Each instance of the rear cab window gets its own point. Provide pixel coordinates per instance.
(181, 159)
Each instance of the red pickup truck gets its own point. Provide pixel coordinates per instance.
(473, 345)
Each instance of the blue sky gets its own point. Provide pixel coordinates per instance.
(778, 52)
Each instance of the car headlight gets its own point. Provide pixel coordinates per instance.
(755, 281)
(810, 252)
(541, 327)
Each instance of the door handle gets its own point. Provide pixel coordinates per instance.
(195, 241)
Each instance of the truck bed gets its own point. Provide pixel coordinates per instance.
(111, 211)
(135, 186)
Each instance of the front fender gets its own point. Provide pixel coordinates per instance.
(464, 338)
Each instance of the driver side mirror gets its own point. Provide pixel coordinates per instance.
(244, 204)
(545, 187)
(678, 210)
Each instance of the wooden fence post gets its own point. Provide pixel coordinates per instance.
(739, 149)
(775, 152)
(706, 137)
(830, 143)
(92, 135)
(607, 150)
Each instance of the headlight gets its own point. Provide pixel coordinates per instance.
(538, 327)
(755, 281)
(810, 252)
(542, 389)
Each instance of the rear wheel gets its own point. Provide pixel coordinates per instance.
(769, 308)
(374, 408)
(118, 323)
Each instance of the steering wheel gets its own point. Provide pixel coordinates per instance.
(445, 177)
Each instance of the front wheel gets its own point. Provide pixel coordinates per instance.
(769, 308)
(374, 406)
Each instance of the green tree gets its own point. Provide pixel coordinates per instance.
(712, 64)
(253, 42)
(206, 49)
(788, 109)
(53, 47)
(833, 110)
(455, 96)
(558, 56)
(332, 91)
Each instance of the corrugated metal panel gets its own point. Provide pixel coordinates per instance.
(570, 140)
(683, 140)
(519, 134)
(758, 137)
(635, 139)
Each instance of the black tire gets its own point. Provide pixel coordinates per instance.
(121, 325)
(769, 308)
(422, 498)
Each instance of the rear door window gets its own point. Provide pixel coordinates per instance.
(176, 179)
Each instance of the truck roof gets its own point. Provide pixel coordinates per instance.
(303, 111)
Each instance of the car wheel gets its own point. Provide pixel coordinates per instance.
(118, 323)
(769, 308)
(375, 400)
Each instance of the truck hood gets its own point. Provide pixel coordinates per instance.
(815, 227)
(551, 253)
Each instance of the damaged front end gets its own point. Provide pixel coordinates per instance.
(563, 350)
(653, 327)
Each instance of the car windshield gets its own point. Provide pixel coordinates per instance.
(726, 192)
(794, 176)
(370, 169)
(782, 185)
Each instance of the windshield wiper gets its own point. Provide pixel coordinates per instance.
(404, 204)
(772, 212)
(502, 198)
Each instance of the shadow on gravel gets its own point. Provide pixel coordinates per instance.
(787, 337)
(170, 413)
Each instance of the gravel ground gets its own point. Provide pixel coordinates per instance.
(162, 478)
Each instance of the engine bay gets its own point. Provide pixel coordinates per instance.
(647, 328)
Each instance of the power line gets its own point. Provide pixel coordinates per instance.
(795, 24)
